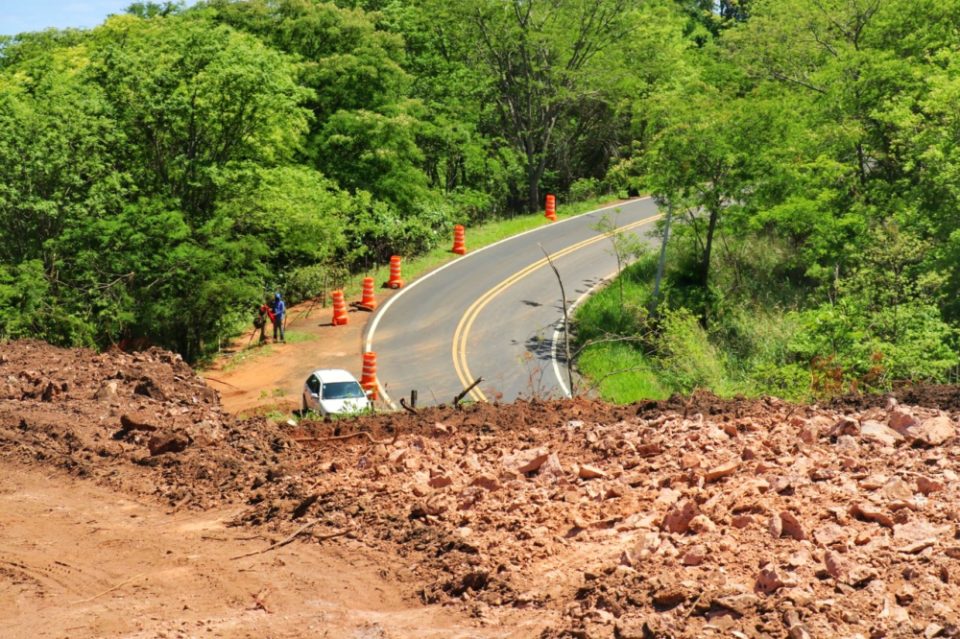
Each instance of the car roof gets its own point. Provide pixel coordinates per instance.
(327, 375)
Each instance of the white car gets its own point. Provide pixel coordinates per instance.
(333, 391)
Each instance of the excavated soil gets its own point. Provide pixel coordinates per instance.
(694, 517)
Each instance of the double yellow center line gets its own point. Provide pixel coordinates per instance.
(466, 322)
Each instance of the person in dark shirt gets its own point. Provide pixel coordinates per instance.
(279, 312)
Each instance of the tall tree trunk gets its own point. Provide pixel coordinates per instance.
(533, 189)
(705, 265)
(708, 248)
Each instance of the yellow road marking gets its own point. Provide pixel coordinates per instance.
(466, 322)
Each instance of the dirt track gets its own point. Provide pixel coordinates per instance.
(128, 489)
(81, 561)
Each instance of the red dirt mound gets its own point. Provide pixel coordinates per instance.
(687, 518)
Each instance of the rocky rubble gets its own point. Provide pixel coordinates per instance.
(695, 517)
(755, 519)
(143, 422)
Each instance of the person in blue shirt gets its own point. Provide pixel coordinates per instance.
(279, 312)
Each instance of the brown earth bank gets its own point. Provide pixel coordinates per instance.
(693, 517)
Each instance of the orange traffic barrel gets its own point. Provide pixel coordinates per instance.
(551, 213)
(459, 240)
(368, 302)
(368, 380)
(395, 281)
(339, 309)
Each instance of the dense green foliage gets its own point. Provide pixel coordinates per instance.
(161, 172)
(807, 151)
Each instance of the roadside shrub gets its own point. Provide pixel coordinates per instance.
(309, 282)
(584, 189)
(684, 353)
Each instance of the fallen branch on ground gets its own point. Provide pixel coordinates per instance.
(220, 381)
(362, 433)
(302, 529)
(109, 590)
(409, 409)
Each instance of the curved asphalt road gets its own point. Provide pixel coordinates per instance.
(493, 312)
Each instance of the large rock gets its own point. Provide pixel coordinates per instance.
(586, 471)
(792, 526)
(903, 421)
(830, 534)
(679, 518)
(769, 580)
(169, 442)
(880, 433)
(107, 392)
(149, 387)
(869, 512)
(936, 430)
(138, 421)
(723, 470)
(525, 461)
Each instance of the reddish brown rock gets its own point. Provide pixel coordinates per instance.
(926, 485)
(526, 461)
(669, 595)
(702, 524)
(486, 481)
(439, 481)
(721, 471)
(918, 530)
(902, 420)
(880, 433)
(107, 392)
(769, 580)
(792, 526)
(552, 468)
(870, 512)
(679, 517)
(690, 460)
(775, 526)
(171, 442)
(897, 488)
(694, 556)
(586, 471)
(936, 430)
(830, 534)
(139, 421)
(834, 563)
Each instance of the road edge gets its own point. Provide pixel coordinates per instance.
(375, 320)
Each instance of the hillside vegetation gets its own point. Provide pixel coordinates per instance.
(161, 172)
(809, 154)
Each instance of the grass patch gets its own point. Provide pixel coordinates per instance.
(622, 373)
(276, 392)
(299, 337)
(249, 353)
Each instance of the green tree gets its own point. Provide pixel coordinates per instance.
(540, 63)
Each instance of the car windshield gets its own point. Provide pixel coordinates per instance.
(342, 390)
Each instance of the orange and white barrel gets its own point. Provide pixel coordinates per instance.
(368, 379)
(339, 309)
(395, 280)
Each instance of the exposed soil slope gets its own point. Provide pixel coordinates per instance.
(689, 518)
